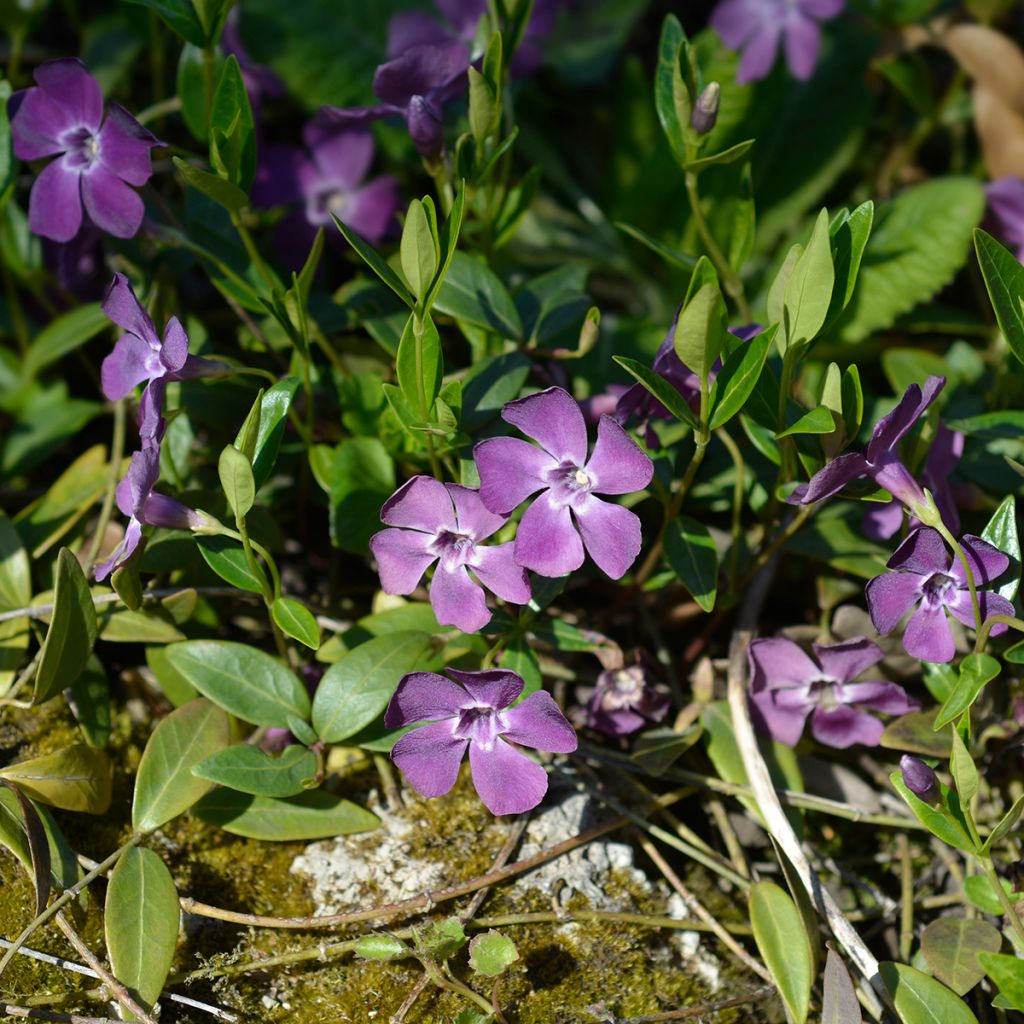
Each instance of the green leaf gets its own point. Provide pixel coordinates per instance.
(63, 335)
(937, 820)
(976, 670)
(357, 687)
(979, 892)
(448, 241)
(738, 376)
(700, 330)
(37, 863)
(816, 421)
(660, 388)
(442, 939)
(179, 16)
(419, 364)
(1001, 533)
(296, 621)
(472, 292)
(249, 769)
(951, 946)
(381, 947)
(237, 480)
(242, 680)
(918, 244)
(1005, 825)
(71, 633)
(315, 814)
(76, 778)
(15, 592)
(419, 250)
(140, 920)
(839, 1002)
(489, 384)
(671, 97)
(361, 478)
(90, 703)
(670, 255)
(725, 156)
(8, 164)
(164, 784)
(1004, 279)
(191, 88)
(485, 93)
(226, 557)
(245, 439)
(922, 1000)
(274, 406)
(1008, 973)
(141, 627)
(492, 953)
(221, 191)
(809, 288)
(64, 869)
(690, 552)
(963, 770)
(849, 236)
(231, 125)
(784, 946)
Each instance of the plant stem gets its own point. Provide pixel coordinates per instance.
(1004, 900)
(209, 83)
(253, 252)
(738, 488)
(994, 620)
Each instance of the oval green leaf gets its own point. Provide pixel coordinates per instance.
(249, 769)
(784, 946)
(227, 559)
(951, 946)
(76, 778)
(922, 1000)
(237, 480)
(1008, 973)
(297, 621)
(690, 552)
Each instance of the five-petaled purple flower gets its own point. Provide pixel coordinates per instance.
(477, 714)
(446, 523)
(881, 461)
(786, 686)
(549, 537)
(757, 27)
(144, 506)
(1006, 211)
(140, 355)
(99, 158)
(928, 576)
(623, 701)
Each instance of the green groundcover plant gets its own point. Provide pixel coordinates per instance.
(620, 397)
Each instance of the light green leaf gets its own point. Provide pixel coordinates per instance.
(938, 820)
(700, 330)
(726, 156)
(296, 621)
(492, 953)
(816, 421)
(419, 363)
(660, 388)
(221, 191)
(63, 335)
(226, 557)
(274, 406)
(809, 288)
(381, 947)
(690, 552)
(1008, 973)
(237, 480)
(232, 130)
(784, 946)
(75, 778)
(963, 770)
(922, 1000)
(671, 97)
(738, 376)
(64, 868)
(472, 292)
(976, 670)
(249, 769)
(419, 250)
(1005, 825)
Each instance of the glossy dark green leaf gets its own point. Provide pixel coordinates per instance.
(1001, 532)
(473, 293)
(90, 703)
(274, 406)
(63, 335)
(31, 828)
(180, 16)
(489, 385)
(373, 260)
(782, 941)
(922, 1000)
(74, 778)
(315, 814)
(671, 98)
(140, 920)
(233, 134)
(221, 191)
(295, 620)
(1004, 279)
(520, 657)
(164, 784)
(72, 631)
(951, 946)
(191, 88)
(8, 163)
(660, 388)
(249, 769)
(690, 552)
(357, 687)
(361, 479)
(976, 670)
(64, 868)
(419, 364)
(739, 374)
(1008, 973)
(226, 558)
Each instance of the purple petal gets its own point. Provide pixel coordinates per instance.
(846, 661)
(123, 551)
(138, 483)
(618, 466)
(161, 510)
(370, 210)
(554, 420)
(987, 562)
(611, 534)
(414, 28)
(538, 722)
(547, 541)
(70, 86)
(734, 23)
(831, 479)
(923, 552)
(111, 204)
(55, 203)
(121, 306)
(458, 600)
(423, 117)
(510, 471)
(777, 663)
(421, 503)
(197, 366)
(430, 758)
(38, 125)
(928, 637)
(497, 570)
(495, 688)
(820, 9)
(988, 604)
(342, 157)
(151, 408)
(507, 781)
(174, 350)
(803, 40)
(843, 727)
(418, 71)
(277, 176)
(125, 146)
(890, 596)
(463, 15)
(472, 515)
(911, 407)
(125, 367)
(423, 696)
(882, 520)
(402, 558)
(358, 117)
(785, 724)
(880, 695)
(759, 55)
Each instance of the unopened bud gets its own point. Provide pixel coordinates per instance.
(919, 779)
(705, 110)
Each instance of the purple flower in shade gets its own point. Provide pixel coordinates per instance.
(1006, 211)
(144, 506)
(882, 521)
(623, 701)
(881, 461)
(477, 714)
(139, 355)
(567, 516)
(757, 27)
(415, 86)
(327, 177)
(928, 576)
(787, 685)
(100, 159)
(446, 523)
(919, 779)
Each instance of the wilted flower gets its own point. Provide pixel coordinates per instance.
(1006, 211)
(476, 715)
(882, 460)
(787, 686)
(99, 159)
(140, 355)
(919, 779)
(549, 537)
(446, 523)
(928, 576)
(624, 701)
(758, 27)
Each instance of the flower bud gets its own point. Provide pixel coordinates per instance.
(919, 779)
(705, 110)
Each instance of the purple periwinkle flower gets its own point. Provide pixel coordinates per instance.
(919, 779)
(787, 686)
(478, 715)
(567, 516)
(758, 27)
(705, 108)
(99, 159)
(624, 701)
(446, 523)
(140, 355)
(881, 461)
(928, 576)
(1006, 211)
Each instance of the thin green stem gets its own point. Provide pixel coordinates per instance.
(116, 452)
(253, 252)
(452, 984)
(995, 620)
(209, 80)
(1004, 900)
